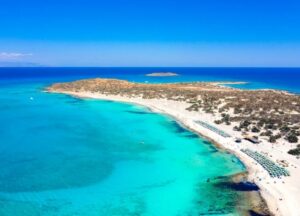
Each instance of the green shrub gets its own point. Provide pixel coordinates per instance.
(292, 138)
(295, 151)
(255, 130)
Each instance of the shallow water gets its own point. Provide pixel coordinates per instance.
(66, 156)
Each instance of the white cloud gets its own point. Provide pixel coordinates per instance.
(13, 55)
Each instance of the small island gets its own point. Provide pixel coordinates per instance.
(162, 74)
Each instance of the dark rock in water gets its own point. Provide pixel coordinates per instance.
(139, 112)
(178, 128)
(241, 186)
(244, 186)
(74, 100)
(213, 151)
(253, 213)
(191, 135)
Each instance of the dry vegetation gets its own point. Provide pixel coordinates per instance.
(267, 113)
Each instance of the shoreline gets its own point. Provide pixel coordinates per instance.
(275, 198)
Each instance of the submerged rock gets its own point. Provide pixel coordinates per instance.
(241, 186)
(253, 213)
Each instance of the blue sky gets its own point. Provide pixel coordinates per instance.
(150, 33)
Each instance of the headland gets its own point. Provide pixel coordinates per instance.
(261, 127)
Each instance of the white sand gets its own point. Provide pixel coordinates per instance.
(282, 195)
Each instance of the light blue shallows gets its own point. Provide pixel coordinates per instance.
(66, 156)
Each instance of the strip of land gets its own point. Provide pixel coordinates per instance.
(261, 127)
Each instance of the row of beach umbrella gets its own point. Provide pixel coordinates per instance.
(273, 169)
(214, 129)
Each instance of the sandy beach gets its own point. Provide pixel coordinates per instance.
(281, 194)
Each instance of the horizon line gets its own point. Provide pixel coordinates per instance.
(284, 67)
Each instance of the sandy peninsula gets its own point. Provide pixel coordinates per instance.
(265, 122)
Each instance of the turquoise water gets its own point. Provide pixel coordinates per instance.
(66, 156)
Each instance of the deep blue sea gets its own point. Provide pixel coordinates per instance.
(67, 156)
(257, 78)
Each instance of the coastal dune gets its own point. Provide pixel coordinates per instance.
(217, 113)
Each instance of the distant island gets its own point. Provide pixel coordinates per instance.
(261, 127)
(162, 74)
